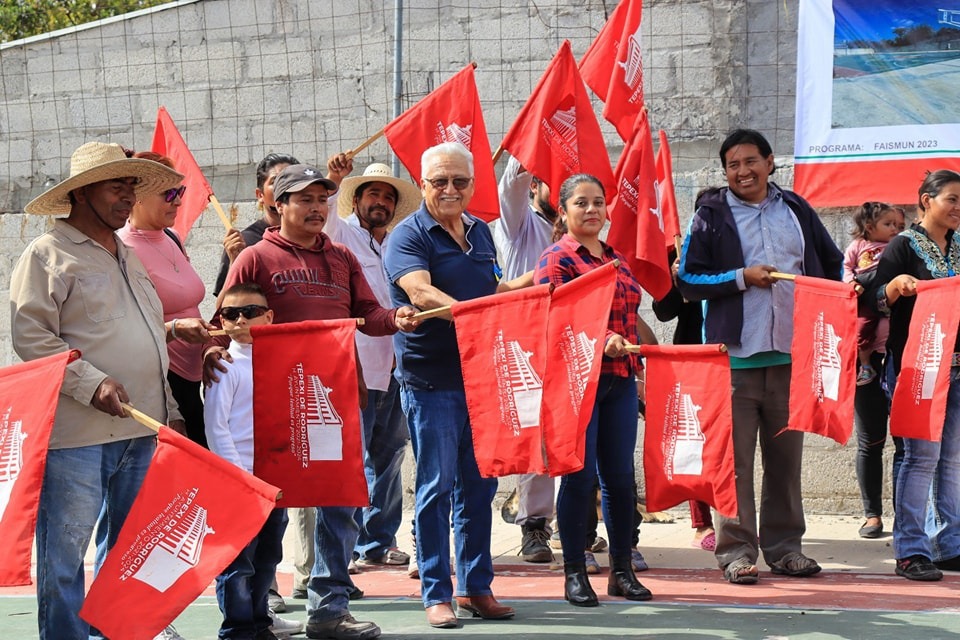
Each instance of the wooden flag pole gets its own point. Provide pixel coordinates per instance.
(676, 244)
(230, 332)
(776, 275)
(638, 348)
(439, 312)
(351, 153)
(141, 417)
(497, 154)
(223, 216)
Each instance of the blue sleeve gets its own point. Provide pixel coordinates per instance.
(406, 252)
(698, 277)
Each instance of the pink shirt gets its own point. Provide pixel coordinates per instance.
(178, 286)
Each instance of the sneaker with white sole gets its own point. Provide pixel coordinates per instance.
(283, 627)
(391, 557)
(593, 567)
(169, 633)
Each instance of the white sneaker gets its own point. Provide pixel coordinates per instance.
(282, 627)
(170, 633)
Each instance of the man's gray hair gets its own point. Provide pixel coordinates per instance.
(446, 149)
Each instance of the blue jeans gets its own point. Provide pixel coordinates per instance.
(447, 474)
(610, 442)
(330, 584)
(242, 587)
(929, 465)
(385, 437)
(77, 482)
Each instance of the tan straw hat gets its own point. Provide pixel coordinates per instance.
(99, 161)
(408, 194)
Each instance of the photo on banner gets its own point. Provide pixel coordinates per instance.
(876, 103)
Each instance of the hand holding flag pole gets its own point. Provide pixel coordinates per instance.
(778, 275)
(141, 417)
(233, 332)
(638, 348)
(439, 312)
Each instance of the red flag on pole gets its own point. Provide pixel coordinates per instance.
(688, 441)
(613, 67)
(450, 113)
(28, 403)
(576, 332)
(636, 229)
(306, 413)
(168, 141)
(666, 195)
(920, 397)
(824, 356)
(194, 513)
(556, 133)
(504, 408)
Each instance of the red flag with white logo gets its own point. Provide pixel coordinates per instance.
(666, 195)
(613, 67)
(306, 413)
(576, 334)
(503, 363)
(167, 141)
(193, 515)
(556, 134)
(824, 356)
(920, 397)
(688, 441)
(450, 113)
(28, 403)
(636, 229)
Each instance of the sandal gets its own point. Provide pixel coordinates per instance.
(707, 542)
(795, 565)
(741, 571)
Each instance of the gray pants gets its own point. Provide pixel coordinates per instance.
(760, 407)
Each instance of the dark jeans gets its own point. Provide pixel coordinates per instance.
(187, 394)
(870, 418)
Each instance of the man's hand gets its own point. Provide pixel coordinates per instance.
(759, 275)
(339, 167)
(212, 362)
(404, 319)
(108, 396)
(616, 346)
(233, 244)
(179, 426)
(192, 330)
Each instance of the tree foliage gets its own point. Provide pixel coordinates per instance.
(24, 18)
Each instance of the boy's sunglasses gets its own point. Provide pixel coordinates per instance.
(172, 194)
(248, 311)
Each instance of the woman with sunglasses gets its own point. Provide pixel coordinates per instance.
(180, 290)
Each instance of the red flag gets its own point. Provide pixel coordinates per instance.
(613, 68)
(306, 413)
(168, 141)
(636, 229)
(824, 355)
(688, 441)
(28, 402)
(450, 113)
(195, 512)
(576, 332)
(556, 133)
(504, 408)
(920, 397)
(666, 195)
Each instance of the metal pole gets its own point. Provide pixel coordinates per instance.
(397, 71)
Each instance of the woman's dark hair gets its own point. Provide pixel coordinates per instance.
(934, 183)
(566, 190)
(269, 162)
(867, 215)
(745, 136)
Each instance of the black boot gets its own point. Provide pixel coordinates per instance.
(576, 586)
(622, 581)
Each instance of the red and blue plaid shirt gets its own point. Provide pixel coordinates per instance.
(567, 259)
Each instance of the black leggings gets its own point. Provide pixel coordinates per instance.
(871, 413)
(187, 395)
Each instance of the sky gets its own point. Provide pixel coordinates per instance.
(876, 19)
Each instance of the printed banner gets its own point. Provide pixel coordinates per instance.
(504, 407)
(306, 413)
(824, 358)
(576, 332)
(876, 103)
(920, 397)
(194, 513)
(688, 441)
(28, 402)
(450, 113)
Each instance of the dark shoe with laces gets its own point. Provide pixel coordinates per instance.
(918, 568)
(949, 564)
(343, 628)
(535, 546)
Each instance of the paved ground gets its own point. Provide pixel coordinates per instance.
(856, 596)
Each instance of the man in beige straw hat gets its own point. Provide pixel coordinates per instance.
(78, 287)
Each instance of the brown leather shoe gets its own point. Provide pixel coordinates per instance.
(485, 607)
(442, 616)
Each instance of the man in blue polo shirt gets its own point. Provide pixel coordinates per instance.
(437, 256)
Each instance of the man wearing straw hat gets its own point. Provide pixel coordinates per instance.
(78, 286)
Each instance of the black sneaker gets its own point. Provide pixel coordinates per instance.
(918, 568)
(948, 564)
(343, 628)
(535, 546)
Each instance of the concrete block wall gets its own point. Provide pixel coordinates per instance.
(243, 78)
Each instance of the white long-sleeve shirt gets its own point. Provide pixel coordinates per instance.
(521, 234)
(228, 410)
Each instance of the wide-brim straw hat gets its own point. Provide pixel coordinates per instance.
(99, 161)
(409, 196)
